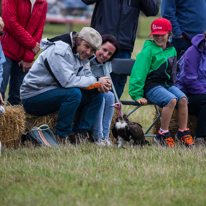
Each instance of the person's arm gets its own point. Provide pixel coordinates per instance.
(29, 54)
(190, 79)
(87, 2)
(149, 7)
(14, 28)
(168, 11)
(139, 75)
(62, 67)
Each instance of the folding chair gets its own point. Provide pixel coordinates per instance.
(124, 66)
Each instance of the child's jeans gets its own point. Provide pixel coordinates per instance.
(162, 96)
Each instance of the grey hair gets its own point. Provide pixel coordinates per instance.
(74, 39)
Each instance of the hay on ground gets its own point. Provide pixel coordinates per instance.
(192, 121)
(36, 121)
(12, 126)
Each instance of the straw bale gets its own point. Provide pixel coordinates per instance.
(12, 126)
(192, 121)
(36, 121)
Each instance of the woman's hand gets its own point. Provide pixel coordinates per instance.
(142, 101)
(36, 48)
(105, 84)
(25, 65)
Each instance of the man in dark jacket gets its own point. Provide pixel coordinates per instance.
(120, 18)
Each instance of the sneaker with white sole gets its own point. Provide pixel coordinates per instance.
(164, 139)
(108, 142)
(185, 138)
(100, 142)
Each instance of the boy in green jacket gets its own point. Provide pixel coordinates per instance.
(152, 79)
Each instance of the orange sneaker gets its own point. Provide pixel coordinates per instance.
(185, 138)
(164, 139)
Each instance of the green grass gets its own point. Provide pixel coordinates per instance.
(91, 175)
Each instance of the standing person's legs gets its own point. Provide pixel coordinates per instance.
(197, 106)
(88, 110)
(119, 81)
(7, 67)
(64, 100)
(97, 128)
(108, 113)
(15, 83)
(181, 45)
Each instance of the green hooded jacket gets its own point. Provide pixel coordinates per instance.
(153, 67)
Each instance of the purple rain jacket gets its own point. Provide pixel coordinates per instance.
(192, 76)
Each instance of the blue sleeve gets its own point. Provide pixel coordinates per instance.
(168, 11)
(2, 60)
(149, 7)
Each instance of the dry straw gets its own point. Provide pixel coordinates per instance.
(192, 120)
(12, 126)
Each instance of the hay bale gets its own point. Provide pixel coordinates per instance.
(15, 121)
(36, 121)
(192, 121)
(12, 126)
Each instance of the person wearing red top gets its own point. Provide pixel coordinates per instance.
(24, 23)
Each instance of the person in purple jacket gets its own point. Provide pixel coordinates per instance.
(192, 81)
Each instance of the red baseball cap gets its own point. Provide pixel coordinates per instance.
(160, 26)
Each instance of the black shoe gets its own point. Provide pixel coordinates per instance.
(79, 138)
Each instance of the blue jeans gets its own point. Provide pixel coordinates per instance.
(162, 96)
(11, 69)
(181, 45)
(119, 81)
(101, 126)
(67, 101)
(197, 106)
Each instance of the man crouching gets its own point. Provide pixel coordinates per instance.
(60, 80)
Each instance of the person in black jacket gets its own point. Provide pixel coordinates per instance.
(120, 19)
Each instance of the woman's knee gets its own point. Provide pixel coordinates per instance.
(109, 97)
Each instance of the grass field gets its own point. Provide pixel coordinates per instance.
(90, 175)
